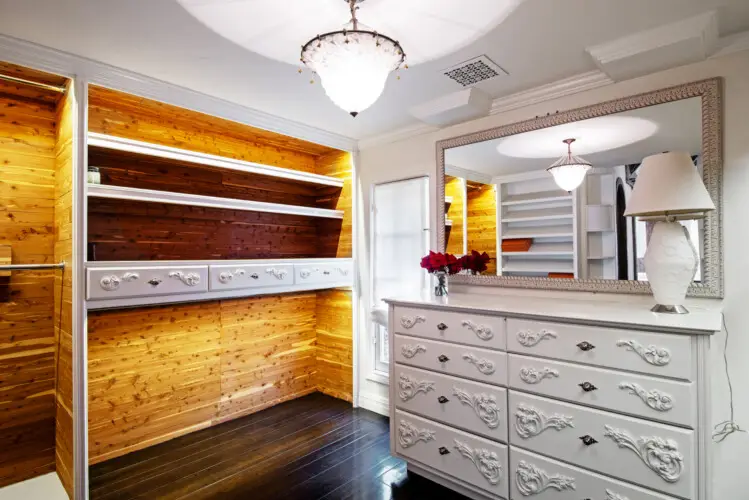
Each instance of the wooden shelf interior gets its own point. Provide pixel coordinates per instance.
(36, 126)
(147, 228)
(455, 192)
(481, 221)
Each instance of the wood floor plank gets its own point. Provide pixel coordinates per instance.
(315, 447)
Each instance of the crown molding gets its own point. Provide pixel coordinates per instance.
(554, 90)
(469, 175)
(731, 44)
(63, 63)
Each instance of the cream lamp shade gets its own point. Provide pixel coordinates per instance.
(668, 184)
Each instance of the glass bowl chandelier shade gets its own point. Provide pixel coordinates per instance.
(353, 64)
(569, 171)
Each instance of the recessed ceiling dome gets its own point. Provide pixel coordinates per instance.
(426, 29)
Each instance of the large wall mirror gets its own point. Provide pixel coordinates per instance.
(496, 195)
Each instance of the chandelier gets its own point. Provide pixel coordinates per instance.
(569, 171)
(353, 64)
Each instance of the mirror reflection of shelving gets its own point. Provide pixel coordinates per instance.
(538, 229)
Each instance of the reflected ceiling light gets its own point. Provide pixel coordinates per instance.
(353, 64)
(604, 133)
(569, 171)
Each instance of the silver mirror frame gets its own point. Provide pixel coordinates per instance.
(712, 151)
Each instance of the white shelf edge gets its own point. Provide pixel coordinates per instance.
(537, 235)
(531, 201)
(448, 222)
(106, 264)
(540, 254)
(448, 199)
(149, 149)
(149, 195)
(537, 218)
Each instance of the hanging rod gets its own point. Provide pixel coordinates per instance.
(45, 86)
(29, 267)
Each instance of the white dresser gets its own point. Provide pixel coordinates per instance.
(526, 398)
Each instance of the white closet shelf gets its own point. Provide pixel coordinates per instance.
(544, 249)
(149, 195)
(170, 153)
(538, 197)
(448, 200)
(448, 222)
(543, 214)
(538, 267)
(538, 232)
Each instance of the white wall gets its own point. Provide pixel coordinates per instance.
(416, 156)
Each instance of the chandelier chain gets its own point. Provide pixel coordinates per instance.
(354, 8)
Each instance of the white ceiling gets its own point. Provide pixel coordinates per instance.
(540, 42)
(675, 126)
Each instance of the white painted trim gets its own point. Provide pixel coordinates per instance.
(97, 73)
(396, 135)
(379, 377)
(554, 90)
(356, 299)
(467, 175)
(375, 403)
(159, 151)
(217, 262)
(150, 195)
(731, 44)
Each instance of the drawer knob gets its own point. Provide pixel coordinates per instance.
(254, 276)
(443, 450)
(586, 346)
(442, 399)
(154, 282)
(442, 358)
(442, 327)
(326, 273)
(587, 386)
(588, 440)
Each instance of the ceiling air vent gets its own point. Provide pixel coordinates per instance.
(473, 71)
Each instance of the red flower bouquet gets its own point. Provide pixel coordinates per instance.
(441, 263)
(475, 262)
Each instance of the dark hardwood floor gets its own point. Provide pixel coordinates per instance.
(313, 447)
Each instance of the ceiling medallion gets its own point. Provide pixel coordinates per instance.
(353, 64)
(569, 171)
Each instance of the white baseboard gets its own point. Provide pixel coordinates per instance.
(375, 403)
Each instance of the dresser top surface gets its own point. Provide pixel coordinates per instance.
(698, 321)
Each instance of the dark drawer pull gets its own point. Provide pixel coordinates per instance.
(586, 346)
(254, 276)
(442, 358)
(442, 399)
(442, 327)
(443, 450)
(588, 440)
(154, 282)
(587, 386)
(326, 273)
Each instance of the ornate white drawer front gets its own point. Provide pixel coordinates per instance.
(334, 272)
(472, 406)
(653, 455)
(227, 277)
(665, 355)
(116, 283)
(453, 359)
(468, 458)
(465, 328)
(639, 395)
(538, 478)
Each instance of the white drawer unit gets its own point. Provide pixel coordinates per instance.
(474, 407)
(653, 455)
(604, 401)
(473, 460)
(664, 355)
(655, 398)
(459, 327)
(541, 478)
(232, 277)
(453, 359)
(126, 282)
(324, 273)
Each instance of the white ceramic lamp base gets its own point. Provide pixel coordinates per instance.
(670, 264)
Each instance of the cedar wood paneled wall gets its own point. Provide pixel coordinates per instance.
(64, 290)
(482, 221)
(35, 200)
(160, 372)
(454, 187)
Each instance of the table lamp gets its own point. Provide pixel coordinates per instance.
(669, 189)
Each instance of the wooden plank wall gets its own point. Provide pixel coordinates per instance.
(64, 290)
(335, 348)
(454, 187)
(336, 235)
(27, 335)
(161, 372)
(482, 221)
